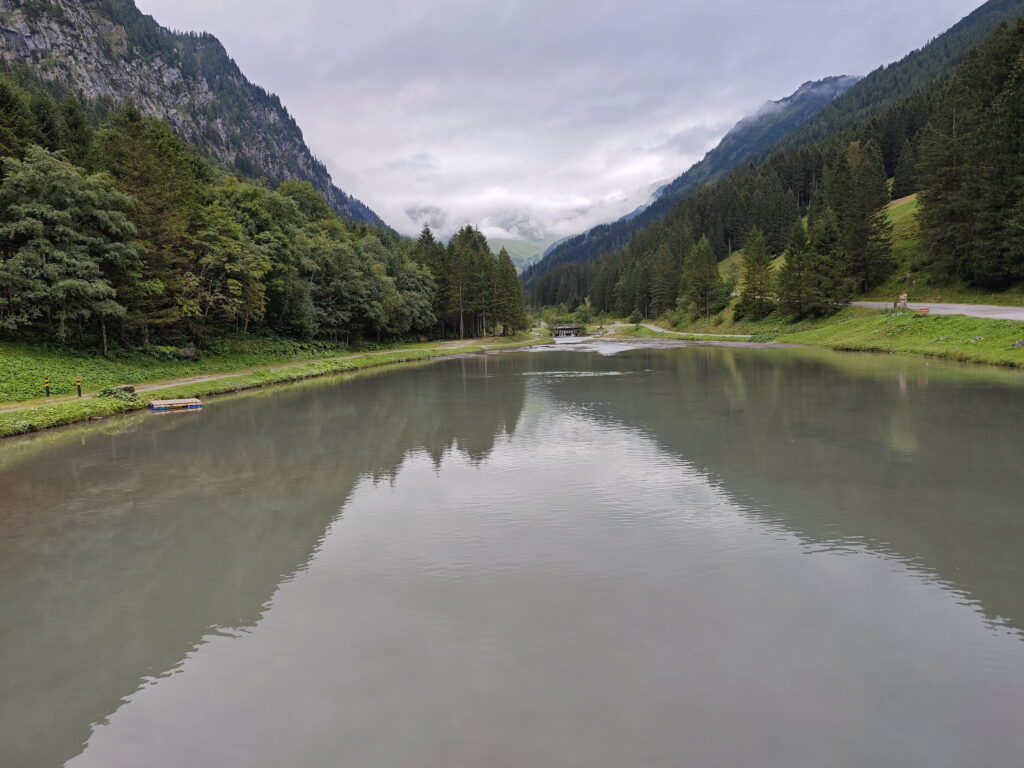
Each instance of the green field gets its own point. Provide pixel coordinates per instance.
(953, 337)
(919, 283)
(23, 366)
(646, 333)
(522, 252)
(59, 414)
(732, 267)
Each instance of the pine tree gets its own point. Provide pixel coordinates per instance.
(702, 289)
(756, 294)
(76, 134)
(48, 130)
(170, 186)
(17, 124)
(510, 311)
(856, 189)
(971, 164)
(664, 280)
(795, 278)
(905, 181)
(828, 287)
(432, 255)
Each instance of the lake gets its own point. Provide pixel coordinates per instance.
(598, 556)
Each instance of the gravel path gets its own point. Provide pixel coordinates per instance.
(167, 383)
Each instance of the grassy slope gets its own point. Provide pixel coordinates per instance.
(46, 416)
(646, 333)
(920, 283)
(23, 366)
(953, 337)
(732, 267)
(856, 328)
(522, 252)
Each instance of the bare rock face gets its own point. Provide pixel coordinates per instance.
(110, 51)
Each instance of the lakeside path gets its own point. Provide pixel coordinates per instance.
(153, 386)
(658, 329)
(987, 311)
(686, 334)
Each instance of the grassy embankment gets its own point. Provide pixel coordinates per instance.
(632, 332)
(58, 414)
(24, 366)
(952, 337)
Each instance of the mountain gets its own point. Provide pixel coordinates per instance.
(910, 111)
(748, 139)
(108, 51)
(522, 252)
(920, 72)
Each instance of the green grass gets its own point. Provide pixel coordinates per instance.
(522, 252)
(725, 323)
(909, 275)
(918, 281)
(23, 366)
(949, 337)
(732, 267)
(60, 414)
(647, 333)
(953, 337)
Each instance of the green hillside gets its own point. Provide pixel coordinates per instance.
(522, 252)
(920, 122)
(921, 282)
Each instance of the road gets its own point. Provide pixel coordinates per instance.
(989, 311)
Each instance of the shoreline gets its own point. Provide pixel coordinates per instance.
(957, 338)
(669, 343)
(20, 421)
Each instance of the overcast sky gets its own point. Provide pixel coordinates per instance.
(544, 116)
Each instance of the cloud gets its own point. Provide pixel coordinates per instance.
(538, 116)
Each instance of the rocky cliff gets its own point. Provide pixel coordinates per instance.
(109, 51)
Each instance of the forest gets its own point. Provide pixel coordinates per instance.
(958, 140)
(115, 233)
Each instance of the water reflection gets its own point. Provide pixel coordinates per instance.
(917, 460)
(120, 553)
(534, 547)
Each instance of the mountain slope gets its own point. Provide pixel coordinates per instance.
(870, 97)
(889, 84)
(748, 139)
(109, 51)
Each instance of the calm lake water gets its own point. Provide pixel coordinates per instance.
(655, 558)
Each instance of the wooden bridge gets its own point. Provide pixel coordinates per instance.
(563, 331)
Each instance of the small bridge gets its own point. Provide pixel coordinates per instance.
(563, 331)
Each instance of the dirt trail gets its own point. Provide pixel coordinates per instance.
(658, 329)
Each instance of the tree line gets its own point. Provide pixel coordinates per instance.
(476, 290)
(118, 232)
(959, 140)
